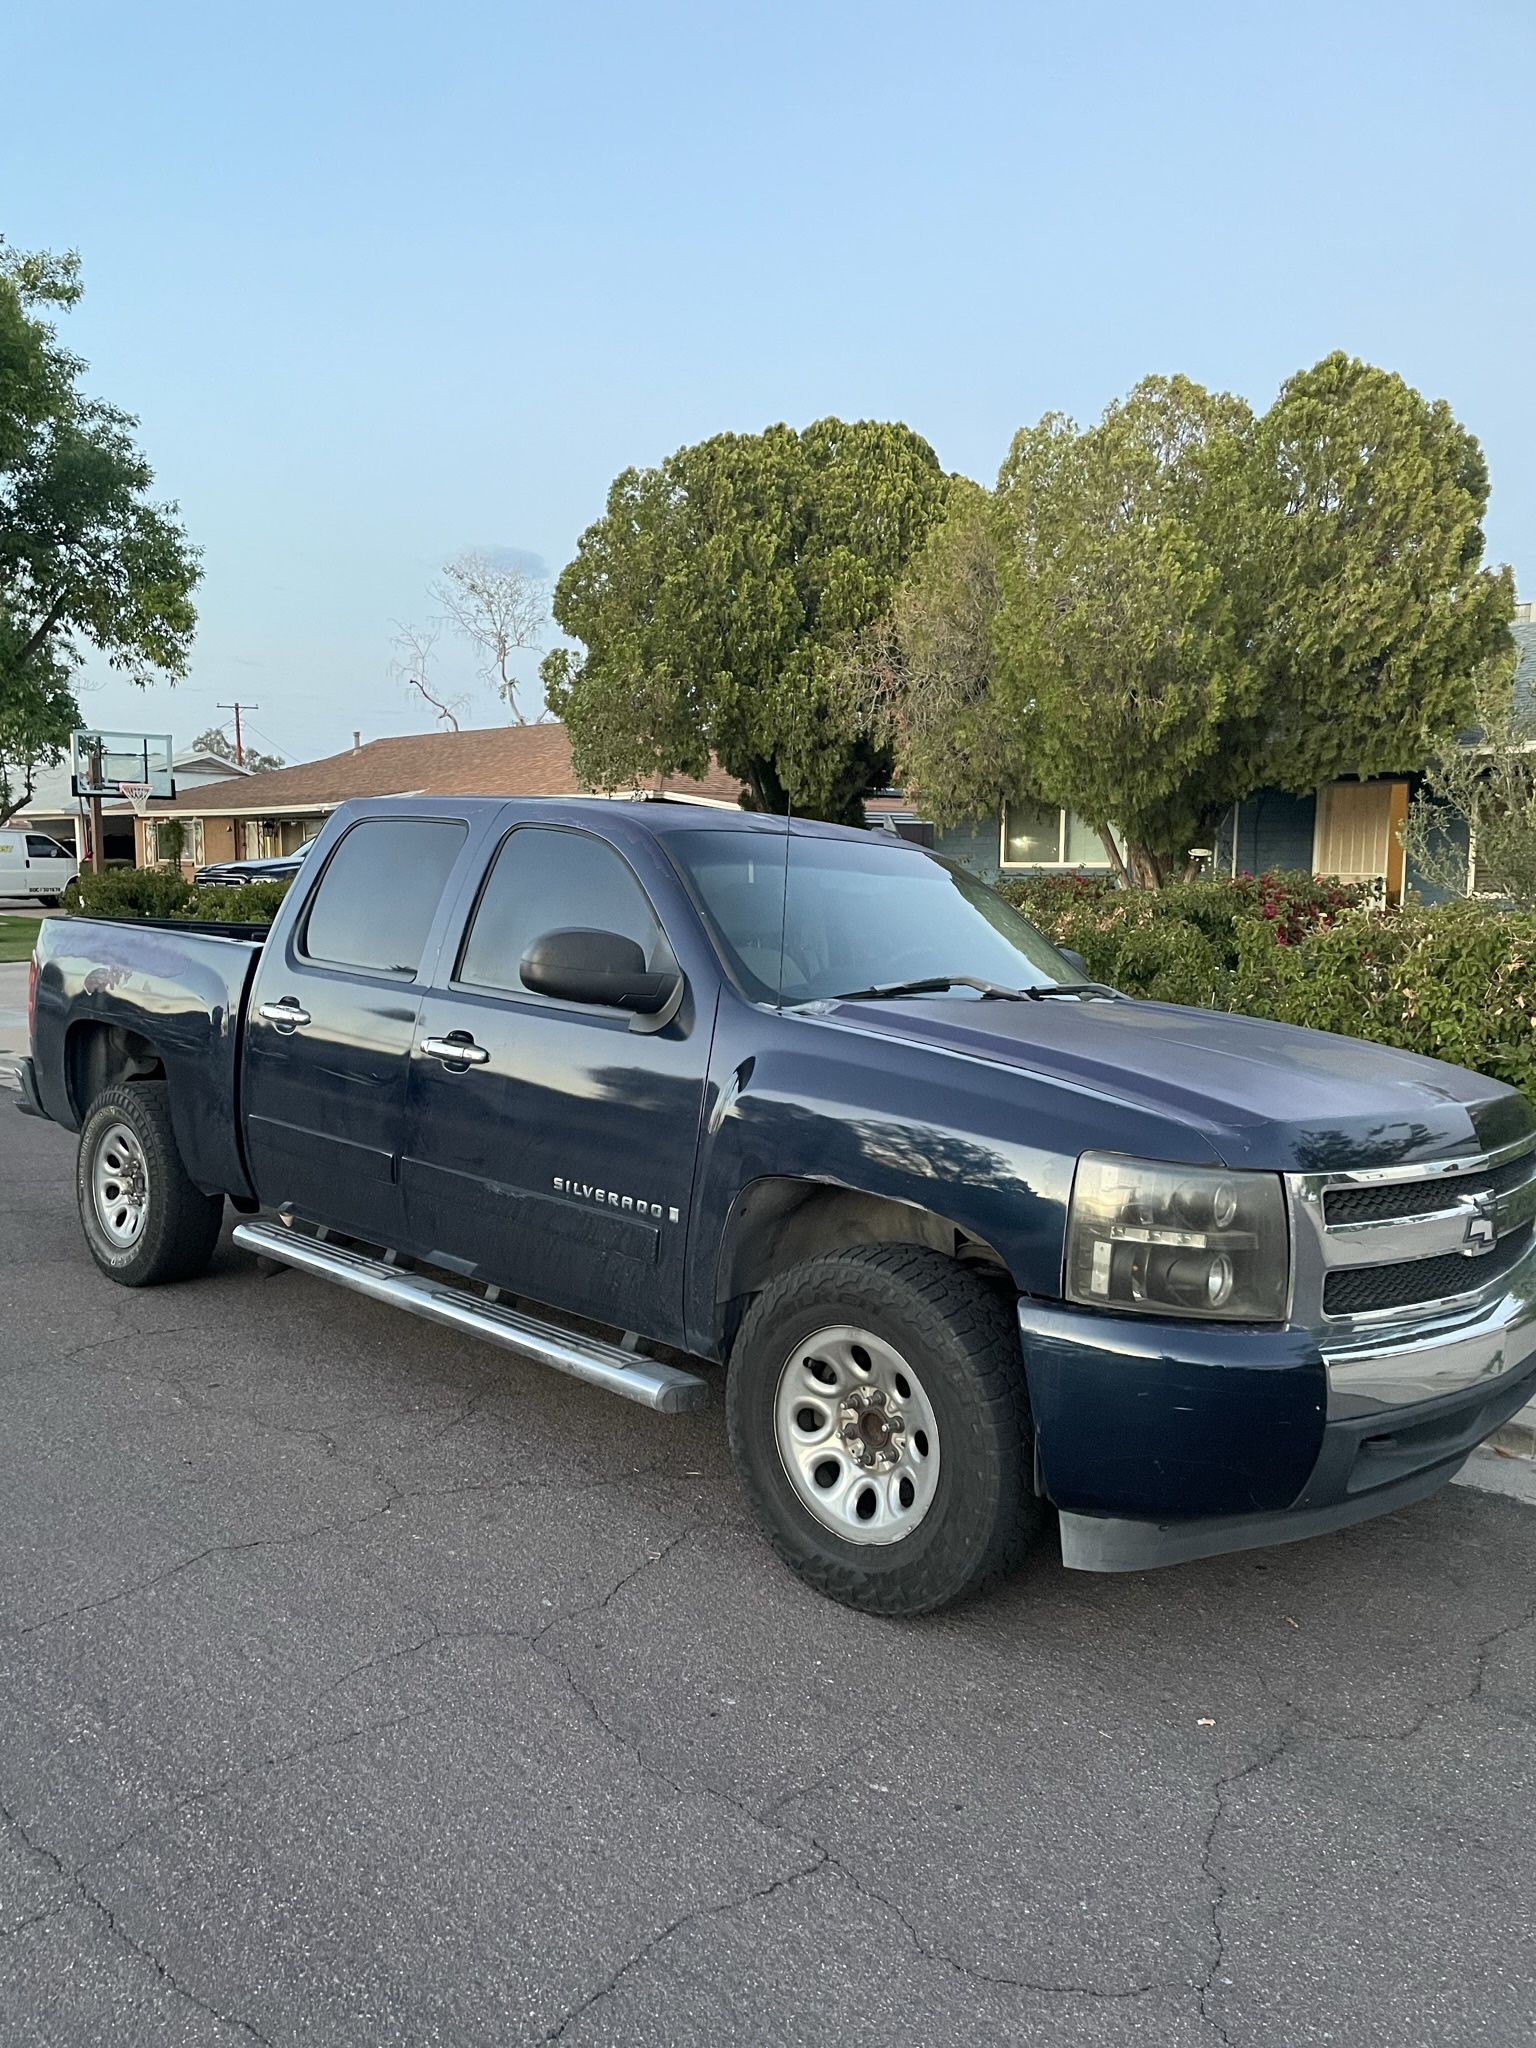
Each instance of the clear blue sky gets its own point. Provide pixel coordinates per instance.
(384, 282)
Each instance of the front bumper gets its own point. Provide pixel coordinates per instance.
(1160, 1442)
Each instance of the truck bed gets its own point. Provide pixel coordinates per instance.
(175, 987)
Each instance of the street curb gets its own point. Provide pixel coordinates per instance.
(1518, 1437)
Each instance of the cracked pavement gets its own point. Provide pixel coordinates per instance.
(361, 1685)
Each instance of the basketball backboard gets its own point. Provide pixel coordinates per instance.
(101, 762)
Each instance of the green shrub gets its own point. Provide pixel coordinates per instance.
(164, 892)
(135, 892)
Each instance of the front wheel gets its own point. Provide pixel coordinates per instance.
(144, 1219)
(879, 1422)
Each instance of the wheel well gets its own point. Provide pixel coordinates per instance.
(100, 1055)
(777, 1222)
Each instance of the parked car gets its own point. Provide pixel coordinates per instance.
(645, 1090)
(233, 874)
(32, 864)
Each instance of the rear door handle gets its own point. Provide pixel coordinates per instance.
(457, 1049)
(286, 1015)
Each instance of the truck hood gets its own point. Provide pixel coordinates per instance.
(1264, 1095)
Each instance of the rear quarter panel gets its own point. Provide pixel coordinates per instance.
(183, 993)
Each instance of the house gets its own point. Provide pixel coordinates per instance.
(254, 817)
(1348, 828)
(55, 810)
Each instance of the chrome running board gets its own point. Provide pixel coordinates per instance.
(629, 1373)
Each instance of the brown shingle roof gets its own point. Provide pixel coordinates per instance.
(504, 760)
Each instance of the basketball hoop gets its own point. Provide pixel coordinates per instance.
(138, 794)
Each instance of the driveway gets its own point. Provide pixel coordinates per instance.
(361, 1686)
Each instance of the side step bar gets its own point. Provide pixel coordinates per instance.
(630, 1373)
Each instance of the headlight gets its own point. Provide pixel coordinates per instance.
(1178, 1240)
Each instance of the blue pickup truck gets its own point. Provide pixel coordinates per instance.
(646, 1089)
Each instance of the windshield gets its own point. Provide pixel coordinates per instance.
(860, 913)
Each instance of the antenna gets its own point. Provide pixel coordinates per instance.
(789, 805)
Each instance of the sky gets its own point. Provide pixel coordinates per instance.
(383, 283)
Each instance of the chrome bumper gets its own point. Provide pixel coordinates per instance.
(1388, 1368)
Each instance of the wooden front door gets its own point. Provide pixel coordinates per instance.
(1357, 834)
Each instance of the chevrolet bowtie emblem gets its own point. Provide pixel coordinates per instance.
(1482, 1232)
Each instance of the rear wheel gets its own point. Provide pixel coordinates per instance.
(144, 1220)
(879, 1422)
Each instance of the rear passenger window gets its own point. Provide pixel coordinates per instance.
(546, 880)
(379, 894)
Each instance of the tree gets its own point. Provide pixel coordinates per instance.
(498, 608)
(38, 713)
(1088, 635)
(1473, 824)
(716, 602)
(87, 562)
(1380, 613)
(1187, 604)
(217, 741)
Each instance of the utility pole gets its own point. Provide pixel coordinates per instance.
(237, 707)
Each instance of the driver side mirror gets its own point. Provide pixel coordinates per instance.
(1075, 960)
(584, 966)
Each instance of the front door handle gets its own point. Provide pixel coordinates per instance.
(458, 1049)
(286, 1015)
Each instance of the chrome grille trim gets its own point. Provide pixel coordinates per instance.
(1464, 1215)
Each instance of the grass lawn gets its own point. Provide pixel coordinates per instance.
(17, 936)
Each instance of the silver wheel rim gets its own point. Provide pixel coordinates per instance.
(120, 1186)
(856, 1435)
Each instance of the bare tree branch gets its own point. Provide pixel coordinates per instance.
(498, 611)
(412, 664)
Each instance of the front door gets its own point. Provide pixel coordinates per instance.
(1357, 835)
(331, 1021)
(556, 1160)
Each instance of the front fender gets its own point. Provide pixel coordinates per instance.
(988, 1148)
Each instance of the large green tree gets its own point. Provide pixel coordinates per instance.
(88, 563)
(1153, 617)
(715, 602)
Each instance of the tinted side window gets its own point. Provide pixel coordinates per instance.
(546, 880)
(379, 893)
(39, 848)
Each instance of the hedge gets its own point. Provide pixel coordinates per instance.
(1457, 981)
(165, 892)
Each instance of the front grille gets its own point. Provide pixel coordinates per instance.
(1383, 1201)
(1360, 1290)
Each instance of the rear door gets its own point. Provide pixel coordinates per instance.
(331, 1021)
(557, 1160)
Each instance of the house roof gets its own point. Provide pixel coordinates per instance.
(506, 760)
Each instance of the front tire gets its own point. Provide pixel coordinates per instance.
(145, 1222)
(880, 1426)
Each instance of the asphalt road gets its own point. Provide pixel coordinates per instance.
(361, 1686)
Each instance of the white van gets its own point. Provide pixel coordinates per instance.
(32, 864)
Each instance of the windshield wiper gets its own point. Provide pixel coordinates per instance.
(996, 991)
(935, 985)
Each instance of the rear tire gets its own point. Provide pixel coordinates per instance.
(880, 1426)
(144, 1220)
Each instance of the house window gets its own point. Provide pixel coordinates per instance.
(1031, 835)
(1037, 835)
(158, 850)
